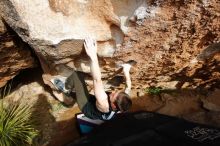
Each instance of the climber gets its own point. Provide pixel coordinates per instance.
(101, 105)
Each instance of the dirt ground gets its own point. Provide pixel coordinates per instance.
(57, 122)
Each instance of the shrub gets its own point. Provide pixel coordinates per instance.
(16, 124)
(153, 90)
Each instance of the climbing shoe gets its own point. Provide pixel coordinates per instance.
(60, 85)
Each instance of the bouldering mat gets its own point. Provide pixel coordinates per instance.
(151, 129)
(85, 124)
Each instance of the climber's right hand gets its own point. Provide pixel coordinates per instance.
(91, 47)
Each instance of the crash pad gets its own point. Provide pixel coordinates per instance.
(151, 129)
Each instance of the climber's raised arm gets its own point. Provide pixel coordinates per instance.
(126, 70)
(101, 97)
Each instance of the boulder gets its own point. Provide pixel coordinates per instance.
(212, 101)
(165, 38)
(15, 55)
(56, 29)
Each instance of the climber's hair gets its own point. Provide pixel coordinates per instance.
(123, 102)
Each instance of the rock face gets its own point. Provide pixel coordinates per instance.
(55, 29)
(212, 102)
(15, 55)
(175, 43)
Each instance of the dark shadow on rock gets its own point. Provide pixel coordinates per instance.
(44, 119)
(116, 80)
(182, 103)
(204, 73)
(53, 132)
(28, 76)
(68, 132)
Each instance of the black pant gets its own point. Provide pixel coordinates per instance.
(76, 82)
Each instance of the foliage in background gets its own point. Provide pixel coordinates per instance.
(153, 90)
(16, 122)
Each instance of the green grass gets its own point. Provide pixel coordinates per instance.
(57, 107)
(16, 122)
(153, 90)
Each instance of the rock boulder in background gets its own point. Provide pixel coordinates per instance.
(15, 55)
(165, 38)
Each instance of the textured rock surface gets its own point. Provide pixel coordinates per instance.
(55, 29)
(212, 101)
(15, 55)
(176, 43)
(171, 45)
